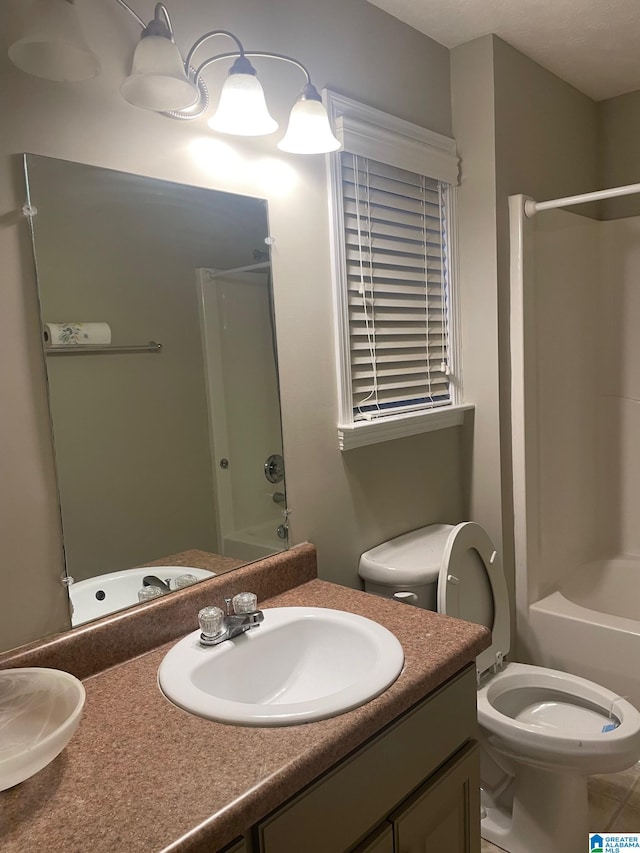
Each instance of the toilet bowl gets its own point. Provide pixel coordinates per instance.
(542, 731)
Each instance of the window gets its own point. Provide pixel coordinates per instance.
(396, 277)
(392, 200)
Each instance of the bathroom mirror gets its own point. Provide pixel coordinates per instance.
(160, 351)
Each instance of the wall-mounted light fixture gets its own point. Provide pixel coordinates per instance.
(52, 45)
(162, 81)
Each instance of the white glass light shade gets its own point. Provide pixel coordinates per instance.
(158, 80)
(309, 131)
(53, 45)
(242, 110)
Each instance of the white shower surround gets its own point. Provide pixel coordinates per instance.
(244, 412)
(591, 625)
(254, 543)
(575, 303)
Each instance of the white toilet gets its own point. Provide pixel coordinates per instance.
(542, 731)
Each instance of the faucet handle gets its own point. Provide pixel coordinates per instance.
(211, 621)
(245, 602)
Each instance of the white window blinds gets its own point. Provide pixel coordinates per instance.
(395, 238)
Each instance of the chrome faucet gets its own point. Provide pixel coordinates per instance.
(153, 580)
(216, 626)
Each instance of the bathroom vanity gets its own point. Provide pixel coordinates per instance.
(144, 776)
(414, 786)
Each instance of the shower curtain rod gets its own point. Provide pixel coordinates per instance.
(532, 207)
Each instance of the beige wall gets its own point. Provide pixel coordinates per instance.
(618, 162)
(620, 123)
(342, 503)
(547, 132)
(473, 127)
(519, 129)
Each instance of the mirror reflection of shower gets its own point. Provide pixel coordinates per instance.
(240, 358)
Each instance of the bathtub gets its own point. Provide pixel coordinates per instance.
(108, 593)
(254, 543)
(591, 626)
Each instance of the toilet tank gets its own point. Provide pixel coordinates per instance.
(406, 568)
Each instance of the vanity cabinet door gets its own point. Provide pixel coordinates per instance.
(445, 813)
(351, 800)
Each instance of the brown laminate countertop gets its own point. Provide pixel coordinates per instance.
(216, 563)
(142, 776)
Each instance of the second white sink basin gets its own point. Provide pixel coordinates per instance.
(301, 664)
(40, 710)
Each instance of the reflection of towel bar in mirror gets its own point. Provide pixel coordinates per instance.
(96, 349)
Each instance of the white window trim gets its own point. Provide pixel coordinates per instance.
(379, 136)
(400, 426)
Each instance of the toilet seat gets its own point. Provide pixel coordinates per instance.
(572, 737)
(477, 591)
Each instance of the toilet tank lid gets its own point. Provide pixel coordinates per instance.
(413, 558)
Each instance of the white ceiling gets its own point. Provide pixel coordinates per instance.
(593, 44)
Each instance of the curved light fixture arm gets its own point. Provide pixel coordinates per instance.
(253, 54)
(161, 9)
(132, 13)
(196, 110)
(284, 58)
(206, 37)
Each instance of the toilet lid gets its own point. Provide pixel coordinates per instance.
(471, 586)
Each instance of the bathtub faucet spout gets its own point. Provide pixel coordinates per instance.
(152, 580)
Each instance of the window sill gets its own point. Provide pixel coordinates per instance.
(391, 428)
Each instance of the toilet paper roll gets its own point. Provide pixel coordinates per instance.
(76, 334)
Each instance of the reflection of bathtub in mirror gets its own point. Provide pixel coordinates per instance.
(253, 543)
(99, 596)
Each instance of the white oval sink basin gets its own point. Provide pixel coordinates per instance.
(301, 664)
(39, 711)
